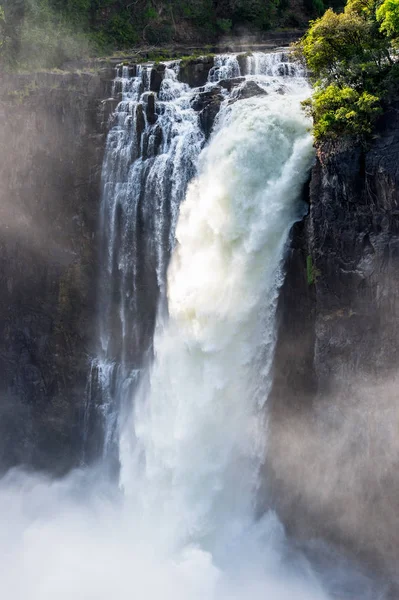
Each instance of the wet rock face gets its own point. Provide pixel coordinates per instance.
(150, 109)
(337, 355)
(350, 255)
(51, 138)
(195, 71)
(354, 242)
(207, 103)
(140, 121)
(248, 90)
(230, 84)
(157, 76)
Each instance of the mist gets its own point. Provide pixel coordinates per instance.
(76, 538)
(39, 37)
(84, 537)
(333, 467)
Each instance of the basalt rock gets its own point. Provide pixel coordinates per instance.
(249, 90)
(230, 84)
(337, 354)
(157, 76)
(208, 105)
(150, 109)
(140, 121)
(195, 71)
(52, 140)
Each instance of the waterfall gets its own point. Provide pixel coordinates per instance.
(192, 237)
(198, 423)
(152, 154)
(149, 159)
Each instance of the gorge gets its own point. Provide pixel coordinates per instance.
(194, 319)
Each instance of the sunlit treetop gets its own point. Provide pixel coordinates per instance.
(338, 46)
(352, 60)
(363, 8)
(388, 18)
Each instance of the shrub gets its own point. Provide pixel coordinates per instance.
(351, 63)
(224, 25)
(342, 111)
(388, 17)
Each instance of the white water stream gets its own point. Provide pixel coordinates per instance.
(199, 422)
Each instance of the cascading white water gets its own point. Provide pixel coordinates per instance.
(194, 445)
(151, 156)
(149, 159)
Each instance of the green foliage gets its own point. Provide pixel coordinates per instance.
(317, 7)
(120, 32)
(388, 18)
(224, 25)
(46, 33)
(336, 45)
(38, 36)
(351, 63)
(191, 59)
(158, 33)
(201, 12)
(150, 13)
(47, 38)
(339, 111)
(314, 7)
(256, 12)
(76, 12)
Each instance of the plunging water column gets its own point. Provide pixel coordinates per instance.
(152, 154)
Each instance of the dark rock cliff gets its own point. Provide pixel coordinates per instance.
(52, 139)
(334, 451)
(51, 142)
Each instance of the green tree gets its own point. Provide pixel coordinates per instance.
(388, 18)
(341, 111)
(352, 65)
(258, 12)
(338, 48)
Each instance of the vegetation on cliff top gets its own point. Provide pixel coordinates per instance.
(352, 58)
(351, 55)
(46, 33)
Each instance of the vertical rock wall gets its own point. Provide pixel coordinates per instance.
(51, 141)
(334, 444)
